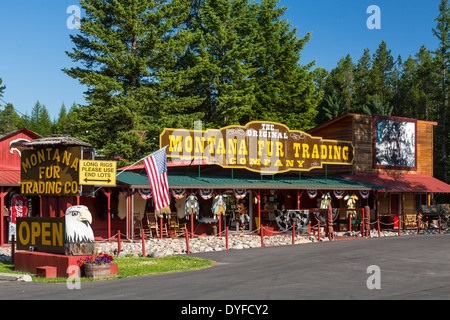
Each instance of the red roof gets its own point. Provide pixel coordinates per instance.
(403, 182)
(9, 177)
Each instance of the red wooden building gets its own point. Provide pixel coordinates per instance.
(10, 149)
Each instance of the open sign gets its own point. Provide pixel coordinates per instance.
(41, 234)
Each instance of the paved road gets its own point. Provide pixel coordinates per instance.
(411, 267)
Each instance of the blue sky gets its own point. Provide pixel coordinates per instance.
(34, 37)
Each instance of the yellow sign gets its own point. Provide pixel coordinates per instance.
(98, 173)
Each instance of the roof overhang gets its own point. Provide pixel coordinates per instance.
(408, 183)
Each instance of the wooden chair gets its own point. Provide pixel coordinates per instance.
(152, 223)
(137, 226)
(181, 226)
(173, 226)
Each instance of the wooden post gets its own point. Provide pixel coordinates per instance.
(318, 230)
(3, 193)
(13, 248)
(187, 241)
(192, 225)
(143, 243)
(378, 225)
(226, 241)
(293, 233)
(440, 229)
(418, 226)
(262, 235)
(119, 243)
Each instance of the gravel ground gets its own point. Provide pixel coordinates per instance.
(156, 248)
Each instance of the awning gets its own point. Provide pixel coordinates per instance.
(210, 181)
(415, 183)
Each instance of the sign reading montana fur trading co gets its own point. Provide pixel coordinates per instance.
(264, 147)
(50, 171)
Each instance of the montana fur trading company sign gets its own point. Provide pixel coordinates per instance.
(264, 147)
(52, 171)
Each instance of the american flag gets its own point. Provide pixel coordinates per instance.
(156, 167)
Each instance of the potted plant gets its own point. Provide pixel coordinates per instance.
(98, 266)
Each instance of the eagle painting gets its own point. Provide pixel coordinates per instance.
(78, 221)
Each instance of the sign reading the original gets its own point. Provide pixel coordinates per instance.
(41, 234)
(259, 146)
(50, 171)
(95, 173)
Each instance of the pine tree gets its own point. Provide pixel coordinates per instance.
(284, 88)
(61, 124)
(9, 119)
(442, 33)
(128, 50)
(221, 56)
(381, 81)
(362, 81)
(2, 88)
(39, 120)
(338, 91)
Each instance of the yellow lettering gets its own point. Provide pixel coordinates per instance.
(24, 240)
(46, 233)
(297, 147)
(315, 153)
(345, 153)
(220, 147)
(289, 163)
(26, 165)
(33, 160)
(280, 152)
(57, 234)
(255, 162)
(56, 155)
(41, 155)
(243, 148)
(74, 164)
(260, 147)
(305, 151)
(41, 172)
(66, 158)
(58, 187)
(188, 145)
(175, 141)
(337, 153)
(199, 145)
(35, 232)
(232, 146)
(324, 152)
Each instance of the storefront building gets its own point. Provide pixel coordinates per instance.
(242, 177)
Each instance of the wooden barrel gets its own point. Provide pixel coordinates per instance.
(97, 270)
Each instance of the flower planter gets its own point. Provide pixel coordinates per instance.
(97, 270)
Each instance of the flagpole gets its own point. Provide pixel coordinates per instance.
(139, 161)
(134, 165)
